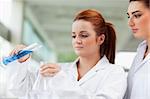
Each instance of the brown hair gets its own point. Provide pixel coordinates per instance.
(108, 48)
(146, 2)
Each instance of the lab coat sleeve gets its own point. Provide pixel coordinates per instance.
(114, 87)
(21, 78)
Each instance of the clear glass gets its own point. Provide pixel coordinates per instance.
(42, 87)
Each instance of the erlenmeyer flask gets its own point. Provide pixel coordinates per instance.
(42, 87)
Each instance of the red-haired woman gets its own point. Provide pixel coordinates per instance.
(93, 75)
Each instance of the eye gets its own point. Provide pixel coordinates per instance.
(84, 36)
(73, 36)
(137, 15)
(128, 16)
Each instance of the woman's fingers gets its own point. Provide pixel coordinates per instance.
(17, 50)
(23, 59)
(49, 69)
(50, 65)
(49, 72)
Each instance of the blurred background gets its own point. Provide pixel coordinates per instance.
(48, 22)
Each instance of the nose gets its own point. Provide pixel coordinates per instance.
(131, 22)
(78, 40)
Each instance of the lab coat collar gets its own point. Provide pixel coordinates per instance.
(99, 66)
(142, 45)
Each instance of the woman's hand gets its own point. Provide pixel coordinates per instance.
(16, 50)
(49, 69)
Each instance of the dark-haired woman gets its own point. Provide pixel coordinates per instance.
(139, 74)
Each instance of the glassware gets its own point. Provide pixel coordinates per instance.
(42, 87)
(28, 50)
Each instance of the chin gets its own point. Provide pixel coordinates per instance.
(138, 36)
(80, 53)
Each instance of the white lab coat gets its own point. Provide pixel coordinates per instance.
(139, 76)
(103, 81)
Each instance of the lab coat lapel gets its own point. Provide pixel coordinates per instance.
(87, 76)
(73, 70)
(141, 51)
(138, 58)
(147, 58)
(99, 66)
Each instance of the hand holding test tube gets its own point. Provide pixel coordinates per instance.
(28, 50)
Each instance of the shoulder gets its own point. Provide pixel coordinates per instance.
(117, 74)
(109, 66)
(117, 69)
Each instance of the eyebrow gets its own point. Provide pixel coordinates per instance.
(134, 12)
(83, 32)
(80, 32)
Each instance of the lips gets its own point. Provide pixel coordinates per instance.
(134, 30)
(78, 47)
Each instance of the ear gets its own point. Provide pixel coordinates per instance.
(101, 39)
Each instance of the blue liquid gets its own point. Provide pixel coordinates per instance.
(7, 60)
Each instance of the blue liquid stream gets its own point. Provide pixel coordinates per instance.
(9, 59)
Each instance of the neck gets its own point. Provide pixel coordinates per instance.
(86, 63)
(89, 62)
